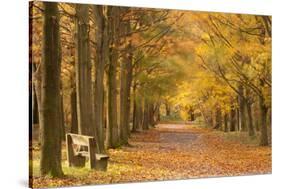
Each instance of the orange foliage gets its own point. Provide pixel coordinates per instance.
(174, 152)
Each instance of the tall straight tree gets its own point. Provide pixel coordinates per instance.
(126, 70)
(112, 140)
(50, 162)
(100, 61)
(83, 71)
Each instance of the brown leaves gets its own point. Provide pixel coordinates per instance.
(171, 152)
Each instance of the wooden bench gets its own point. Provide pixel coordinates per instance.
(80, 147)
(101, 162)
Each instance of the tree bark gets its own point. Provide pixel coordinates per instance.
(191, 114)
(126, 70)
(237, 117)
(242, 113)
(248, 103)
(263, 113)
(112, 139)
(256, 115)
(35, 113)
(232, 119)
(62, 118)
(128, 88)
(250, 119)
(168, 109)
(158, 116)
(100, 61)
(83, 71)
(145, 124)
(140, 115)
(135, 109)
(225, 121)
(50, 162)
(151, 115)
(73, 104)
(37, 88)
(218, 119)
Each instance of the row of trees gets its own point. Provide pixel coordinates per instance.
(95, 70)
(230, 81)
(107, 71)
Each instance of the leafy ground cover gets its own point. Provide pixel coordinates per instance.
(168, 152)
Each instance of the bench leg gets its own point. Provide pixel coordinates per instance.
(73, 161)
(92, 156)
(69, 150)
(101, 165)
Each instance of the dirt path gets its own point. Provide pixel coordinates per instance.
(172, 151)
(188, 151)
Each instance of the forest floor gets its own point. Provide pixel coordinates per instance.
(169, 152)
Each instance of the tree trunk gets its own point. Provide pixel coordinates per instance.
(140, 116)
(168, 109)
(242, 113)
(35, 113)
(37, 88)
(145, 124)
(128, 88)
(191, 114)
(218, 119)
(123, 104)
(135, 117)
(122, 129)
(250, 119)
(158, 115)
(151, 115)
(83, 71)
(211, 119)
(62, 118)
(263, 113)
(135, 109)
(157, 112)
(232, 119)
(237, 117)
(112, 139)
(50, 162)
(256, 115)
(100, 61)
(225, 121)
(73, 104)
(126, 70)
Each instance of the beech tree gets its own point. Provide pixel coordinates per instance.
(83, 72)
(50, 119)
(112, 72)
(125, 87)
(101, 57)
(112, 135)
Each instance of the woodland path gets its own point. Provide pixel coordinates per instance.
(169, 152)
(191, 151)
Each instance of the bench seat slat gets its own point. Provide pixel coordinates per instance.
(101, 156)
(83, 153)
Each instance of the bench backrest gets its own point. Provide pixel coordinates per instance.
(82, 140)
